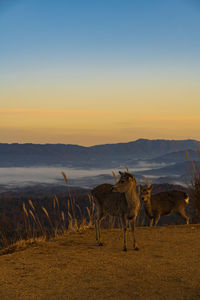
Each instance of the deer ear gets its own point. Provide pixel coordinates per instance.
(120, 173)
(129, 175)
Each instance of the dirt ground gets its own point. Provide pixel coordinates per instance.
(167, 266)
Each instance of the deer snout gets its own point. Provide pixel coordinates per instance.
(144, 199)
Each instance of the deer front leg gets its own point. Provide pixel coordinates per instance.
(132, 225)
(123, 223)
(95, 222)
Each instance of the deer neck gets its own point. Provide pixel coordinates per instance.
(131, 196)
(148, 208)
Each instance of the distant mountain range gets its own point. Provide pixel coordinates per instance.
(100, 156)
(163, 161)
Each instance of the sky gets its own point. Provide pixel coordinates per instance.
(99, 71)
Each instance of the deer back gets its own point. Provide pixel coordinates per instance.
(166, 202)
(110, 203)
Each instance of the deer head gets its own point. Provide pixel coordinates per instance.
(146, 192)
(125, 182)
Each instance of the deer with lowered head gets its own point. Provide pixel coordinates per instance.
(164, 203)
(119, 200)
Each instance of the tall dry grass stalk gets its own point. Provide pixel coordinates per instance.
(27, 221)
(65, 177)
(25, 210)
(90, 211)
(56, 202)
(72, 220)
(75, 222)
(54, 230)
(115, 177)
(4, 240)
(31, 230)
(31, 204)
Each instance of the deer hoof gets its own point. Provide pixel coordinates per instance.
(100, 244)
(125, 249)
(136, 248)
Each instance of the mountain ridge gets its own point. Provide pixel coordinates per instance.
(104, 155)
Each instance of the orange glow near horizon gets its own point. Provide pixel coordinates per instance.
(90, 127)
(91, 111)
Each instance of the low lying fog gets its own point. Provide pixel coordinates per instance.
(33, 175)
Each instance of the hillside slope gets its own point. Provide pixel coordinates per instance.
(74, 267)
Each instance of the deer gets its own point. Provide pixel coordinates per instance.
(164, 203)
(118, 200)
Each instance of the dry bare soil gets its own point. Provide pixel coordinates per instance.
(167, 266)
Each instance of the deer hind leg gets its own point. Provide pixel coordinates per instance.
(123, 223)
(157, 218)
(98, 234)
(132, 225)
(98, 217)
(96, 229)
(183, 214)
(150, 222)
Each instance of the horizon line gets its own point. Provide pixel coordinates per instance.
(139, 139)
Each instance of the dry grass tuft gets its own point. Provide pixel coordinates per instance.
(22, 245)
(78, 223)
(42, 223)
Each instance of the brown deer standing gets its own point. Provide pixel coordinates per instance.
(164, 203)
(119, 200)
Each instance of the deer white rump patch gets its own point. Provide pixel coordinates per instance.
(187, 200)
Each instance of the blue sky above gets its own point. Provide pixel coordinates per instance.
(101, 32)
